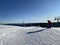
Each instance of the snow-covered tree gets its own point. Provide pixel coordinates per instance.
(57, 18)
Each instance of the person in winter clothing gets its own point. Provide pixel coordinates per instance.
(49, 24)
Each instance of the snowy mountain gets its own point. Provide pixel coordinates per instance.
(14, 35)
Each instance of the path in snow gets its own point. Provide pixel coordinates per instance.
(14, 35)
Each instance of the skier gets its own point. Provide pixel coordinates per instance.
(49, 24)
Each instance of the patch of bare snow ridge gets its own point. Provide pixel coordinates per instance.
(15, 35)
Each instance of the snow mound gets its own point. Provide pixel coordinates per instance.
(14, 35)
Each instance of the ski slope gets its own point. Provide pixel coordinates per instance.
(14, 35)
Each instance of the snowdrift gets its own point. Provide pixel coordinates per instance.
(14, 35)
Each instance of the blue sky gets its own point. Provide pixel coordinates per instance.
(16, 11)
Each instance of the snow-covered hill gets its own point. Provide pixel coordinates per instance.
(14, 35)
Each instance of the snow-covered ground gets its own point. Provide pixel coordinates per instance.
(14, 35)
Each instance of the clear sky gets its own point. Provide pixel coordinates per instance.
(17, 11)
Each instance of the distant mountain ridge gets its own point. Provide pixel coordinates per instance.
(54, 24)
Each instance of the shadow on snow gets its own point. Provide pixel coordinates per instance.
(35, 31)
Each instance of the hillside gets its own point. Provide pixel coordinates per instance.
(14, 35)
